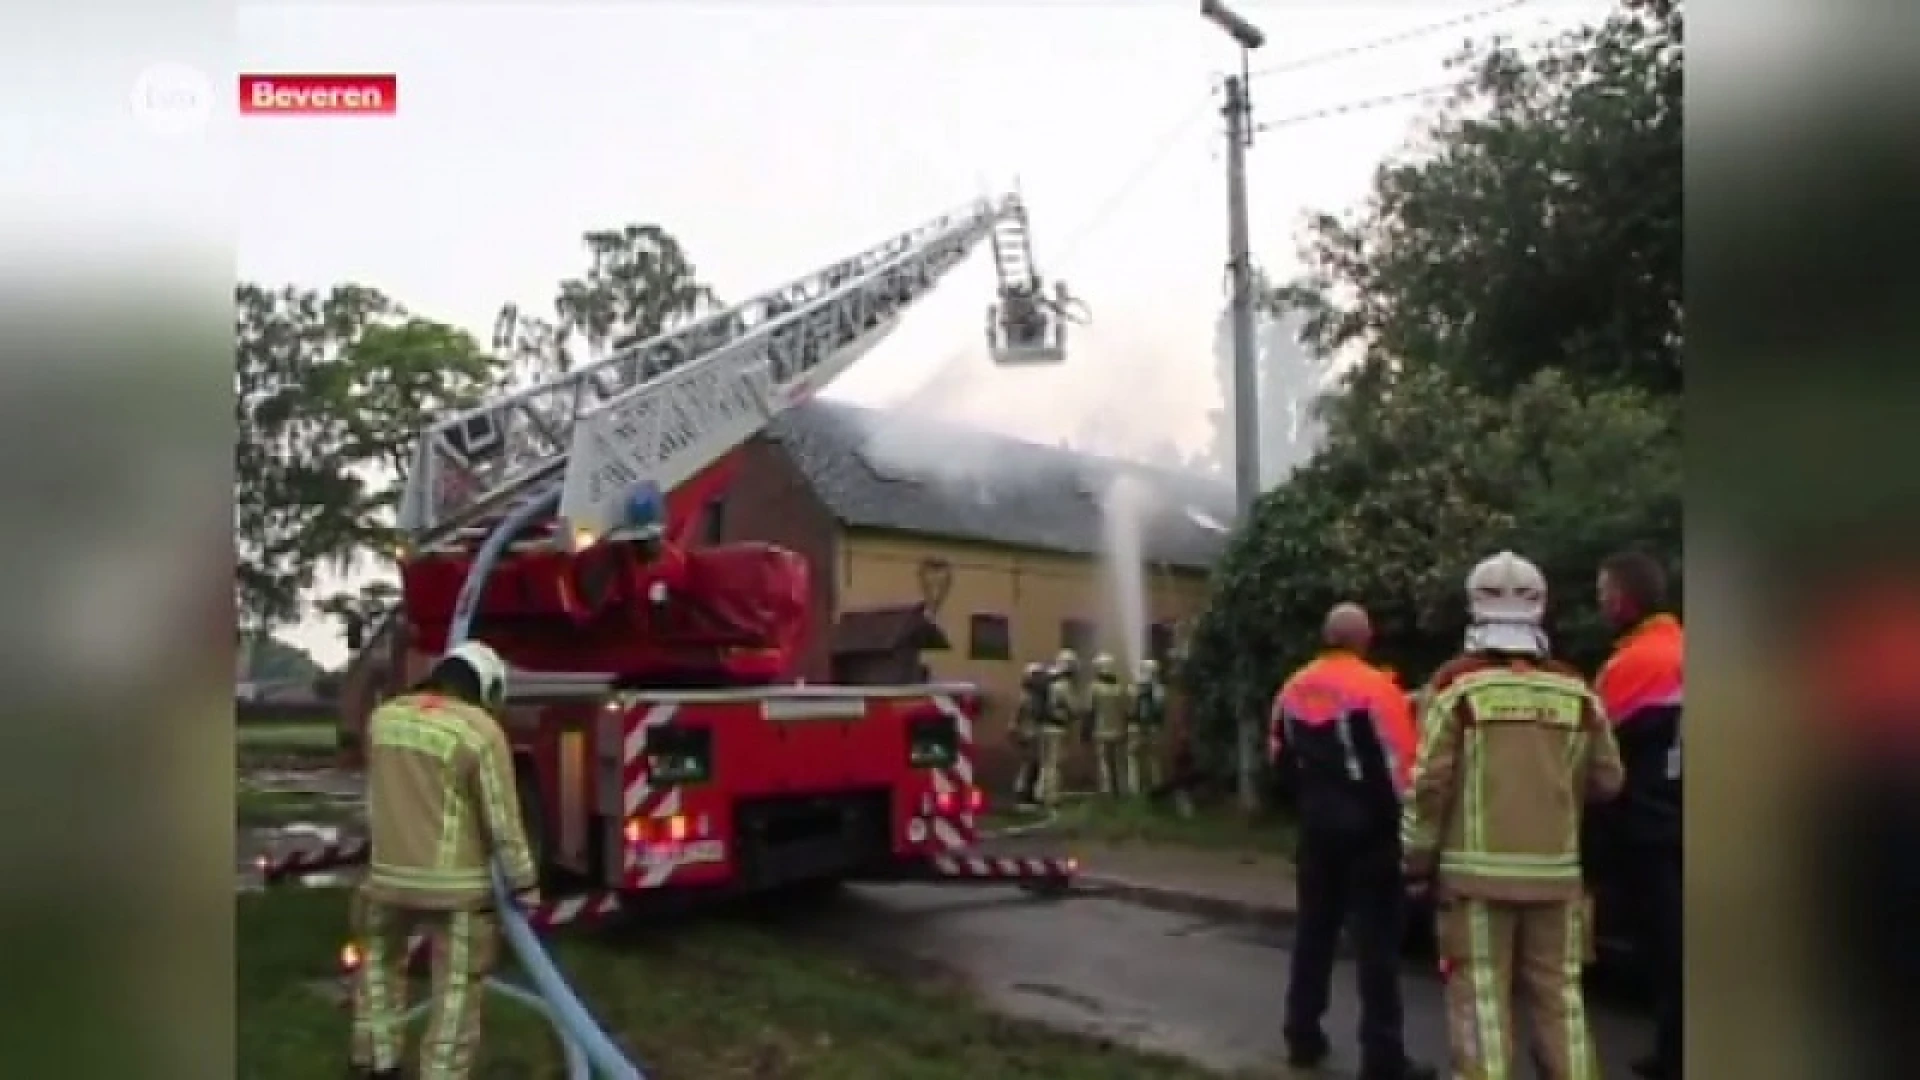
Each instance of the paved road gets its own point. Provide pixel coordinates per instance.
(1204, 990)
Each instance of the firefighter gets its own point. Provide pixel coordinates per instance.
(1055, 723)
(440, 790)
(1640, 686)
(1351, 742)
(1514, 745)
(1027, 722)
(1146, 725)
(1107, 701)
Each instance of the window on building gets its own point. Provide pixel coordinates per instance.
(713, 521)
(990, 637)
(1160, 642)
(1079, 635)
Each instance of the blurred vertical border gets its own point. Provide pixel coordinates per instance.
(1803, 558)
(116, 844)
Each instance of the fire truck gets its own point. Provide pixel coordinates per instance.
(665, 746)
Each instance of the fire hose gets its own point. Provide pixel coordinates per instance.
(582, 1039)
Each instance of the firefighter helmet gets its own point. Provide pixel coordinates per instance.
(1149, 670)
(1103, 664)
(488, 669)
(1506, 601)
(1066, 661)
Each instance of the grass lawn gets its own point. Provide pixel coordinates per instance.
(264, 809)
(297, 741)
(707, 999)
(1096, 820)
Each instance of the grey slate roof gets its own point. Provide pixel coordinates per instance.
(882, 470)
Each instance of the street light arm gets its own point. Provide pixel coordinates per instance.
(1244, 33)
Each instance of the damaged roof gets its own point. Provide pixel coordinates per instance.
(880, 470)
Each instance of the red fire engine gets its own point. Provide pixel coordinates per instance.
(665, 748)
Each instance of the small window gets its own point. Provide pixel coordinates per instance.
(990, 638)
(1160, 642)
(713, 522)
(1078, 635)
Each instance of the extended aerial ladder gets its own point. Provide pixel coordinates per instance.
(657, 413)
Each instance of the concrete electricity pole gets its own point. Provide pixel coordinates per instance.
(1238, 111)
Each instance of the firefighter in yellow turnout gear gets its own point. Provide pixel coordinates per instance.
(442, 806)
(1146, 722)
(1108, 700)
(1062, 710)
(1514, 744)
(1027, 719)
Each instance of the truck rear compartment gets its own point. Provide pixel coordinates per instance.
(789, 838)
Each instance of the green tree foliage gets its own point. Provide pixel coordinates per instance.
(639, 283)
(1412, 490)
(330, 389)
(1543, 230)
(295, 505)
(1512, 297)
(361, 610)
(273, 660)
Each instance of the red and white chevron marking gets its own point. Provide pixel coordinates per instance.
(312, 858)
(987, 867)
(954, 780)
(640, 798)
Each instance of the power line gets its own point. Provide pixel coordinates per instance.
(1359, 105)
(1317, 59)
(1161, 149)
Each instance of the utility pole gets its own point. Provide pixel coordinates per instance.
(1246, 415)
(1238, 111)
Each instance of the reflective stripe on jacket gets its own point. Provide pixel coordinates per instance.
(1510, 755)
(1107, 700)
(441, 803)
(1352, 740)
(1641, 688)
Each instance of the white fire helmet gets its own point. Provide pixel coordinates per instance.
(1506, 601)
(488, 667)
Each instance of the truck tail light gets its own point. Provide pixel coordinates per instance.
(964, 801)
(671, 829)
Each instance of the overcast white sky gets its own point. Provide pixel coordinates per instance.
(774, 137)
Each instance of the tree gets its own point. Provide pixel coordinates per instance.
(295, 504)
(638, 284)
(273, 660)
(1544, 230)
(331, 389)
(1512, 296)
(1412, 488)
(361, 610)
(392, 382)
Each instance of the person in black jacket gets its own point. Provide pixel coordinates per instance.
(1641, 686)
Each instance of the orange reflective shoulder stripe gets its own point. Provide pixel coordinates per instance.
(1646, 671)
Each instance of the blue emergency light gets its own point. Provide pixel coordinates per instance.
(646, 507)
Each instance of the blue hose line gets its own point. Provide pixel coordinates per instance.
(575, 1024)
(577, 1067)
(563, 1004)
